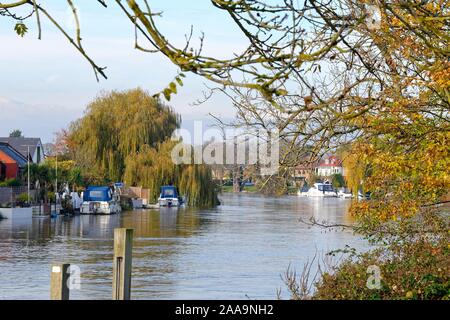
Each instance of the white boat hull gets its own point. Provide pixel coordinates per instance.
(168, 202)
(100, 207)
(321, 195)
(314, 191)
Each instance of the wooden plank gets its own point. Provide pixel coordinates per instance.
(59, 286)
(122, 264)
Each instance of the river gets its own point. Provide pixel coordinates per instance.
(238, 250)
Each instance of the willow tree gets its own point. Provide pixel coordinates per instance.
(116, 125)
(153, 167)
(356, 166)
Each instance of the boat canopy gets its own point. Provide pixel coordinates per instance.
(169, 192)
(97, 194)
(325, 187)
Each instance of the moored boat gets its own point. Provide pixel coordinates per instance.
(320, 190)
(169, 197)
(344, 193)
(100, 200)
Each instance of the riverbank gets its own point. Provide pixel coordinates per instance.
(254, 189)
(249, 189)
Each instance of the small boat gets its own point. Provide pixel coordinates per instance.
(344, 193)
(320, 190)
(169, 197)
(362, 196)
(100, 200)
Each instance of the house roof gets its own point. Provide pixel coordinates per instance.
(21, 144)
(13, 154)
(331, 161)
(305, 166)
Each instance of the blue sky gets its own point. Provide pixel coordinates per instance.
(46, 84)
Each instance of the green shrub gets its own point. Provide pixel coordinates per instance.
(412, 256)
(10, 183)
(22, 198)
(338, 180)
(51, 196)
(416, 270)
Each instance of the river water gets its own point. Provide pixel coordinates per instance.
(238, 250)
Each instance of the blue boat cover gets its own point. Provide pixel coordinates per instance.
(169, 192)
(97, 194)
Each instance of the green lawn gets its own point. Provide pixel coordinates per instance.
(252, 189)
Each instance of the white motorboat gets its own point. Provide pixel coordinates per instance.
(320, 190)
(100, 200)
(344, 193)
(169, 197)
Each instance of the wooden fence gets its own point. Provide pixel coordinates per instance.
(9, 194)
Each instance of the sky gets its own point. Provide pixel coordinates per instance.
(45, 84)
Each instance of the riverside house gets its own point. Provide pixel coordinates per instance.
(30, 148)
(14, 156)
(329, 166)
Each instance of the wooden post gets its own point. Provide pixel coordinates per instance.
(59, 289)
(123, 245)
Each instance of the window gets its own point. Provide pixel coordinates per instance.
(96, 194)
(326, 187)
(168, 193)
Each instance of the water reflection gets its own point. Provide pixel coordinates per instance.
(236, 250)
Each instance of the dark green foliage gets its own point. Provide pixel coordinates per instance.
(11, 183)
(16, 134)
(338, 180)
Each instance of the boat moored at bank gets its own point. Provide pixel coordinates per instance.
(169, 197)
(100, 200)
(320, 190)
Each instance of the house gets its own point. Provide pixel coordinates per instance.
(12, 162)
(303, 172)
(329, 166)
(31, 148)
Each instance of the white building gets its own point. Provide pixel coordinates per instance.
(329, 166)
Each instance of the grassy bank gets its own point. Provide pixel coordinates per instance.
(255, 189)
(249, 189)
